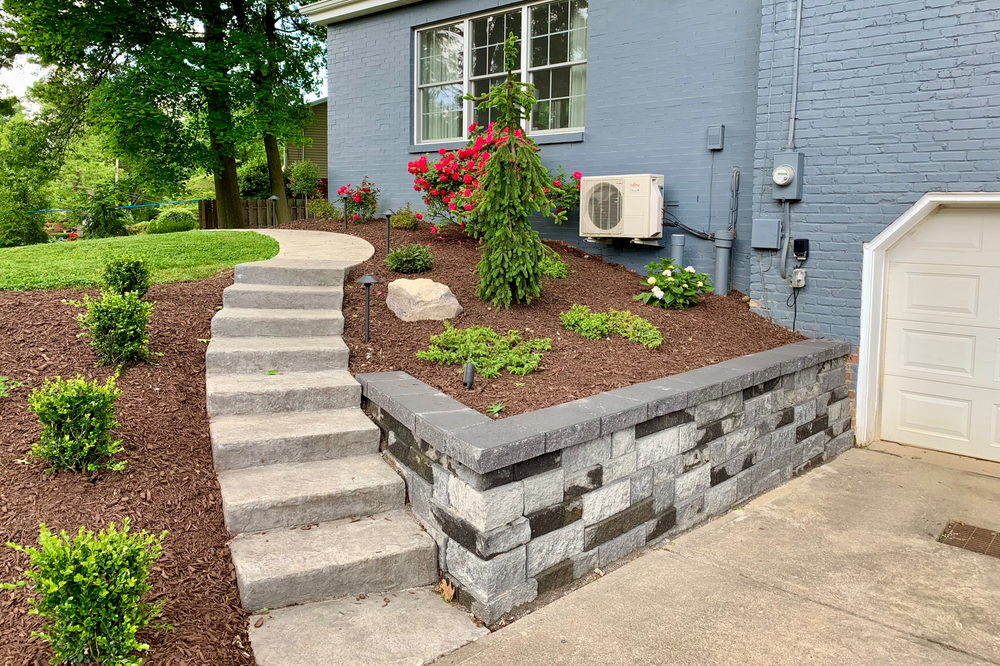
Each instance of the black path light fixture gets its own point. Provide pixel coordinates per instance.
(368, 280)
(469, 376)
(344, 199)
(388, 223)
(274, 209)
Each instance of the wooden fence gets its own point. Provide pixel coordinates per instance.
(257, 213)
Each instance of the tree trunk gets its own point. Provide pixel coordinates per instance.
(283, 213)
(227, 192)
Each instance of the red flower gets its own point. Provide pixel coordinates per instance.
(434, 230)
(577, 175)
(357, 198)
(355, 216)
(442, 151)
(452, 206)
(468, 206)
(472, 128)
(578, 186)
(556, 183)
(418, 216)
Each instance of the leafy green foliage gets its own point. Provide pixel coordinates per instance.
(19, 228)
(551, 265)
(77, 419)
(513, 187)
(28, 165)
(564, 193)
(172, 222)
(171, 258)
(103, 217)
(124, 273)
(488, 351)
(405, 218)
(412, 258)
(672, 286)
(89, 591)
(137, 229)
(324, 210)
(496, 408)
(6, 386)
(303, 178)
(254, 180)
(596, 325)
(115, 326)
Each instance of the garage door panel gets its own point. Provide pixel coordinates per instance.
(943, 352)
(948, 417)
(944, 294)
(963, 235)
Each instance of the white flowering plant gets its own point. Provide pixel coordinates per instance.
(672, 286)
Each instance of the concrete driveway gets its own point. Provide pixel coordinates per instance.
(840, 567)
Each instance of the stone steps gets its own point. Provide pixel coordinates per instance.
(231, 395)
(251, 440)
(379, 553)
(258, 355)
(278, 272)
(264, 498)
(253, 322)
(269, 296)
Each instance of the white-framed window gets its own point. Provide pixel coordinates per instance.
(467, 56)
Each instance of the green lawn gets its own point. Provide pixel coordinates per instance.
(189, 255)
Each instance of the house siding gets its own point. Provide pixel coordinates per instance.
(648, 109)
(896, 99)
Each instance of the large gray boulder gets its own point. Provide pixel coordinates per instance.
(422, 300)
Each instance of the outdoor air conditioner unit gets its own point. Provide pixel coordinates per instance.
(622, 207)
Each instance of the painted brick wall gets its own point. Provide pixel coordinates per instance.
(897, 98)
(659, 74)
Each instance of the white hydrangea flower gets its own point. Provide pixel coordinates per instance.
(670, 279)
(658, 293)
(700, 283)
(651, 280)
(666, 272)
(690, 269)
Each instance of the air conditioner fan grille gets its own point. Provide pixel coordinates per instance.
(604, 206)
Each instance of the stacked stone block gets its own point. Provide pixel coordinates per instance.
(529, 503)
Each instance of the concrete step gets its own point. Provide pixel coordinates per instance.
(259, 355)
(282, 297)
(380, 553)
(231, 395)
(291, 437)
(250, 322)
(292, 273)
(263, 498)
(414, 627)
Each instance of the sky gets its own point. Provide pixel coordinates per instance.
(17, 79)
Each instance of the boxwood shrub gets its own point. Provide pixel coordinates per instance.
(115, 326)
(412, 258)
(124, 273)
(172, 222)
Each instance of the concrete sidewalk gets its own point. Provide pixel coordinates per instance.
(838, 567)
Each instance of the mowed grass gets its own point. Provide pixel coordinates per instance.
(188, 255)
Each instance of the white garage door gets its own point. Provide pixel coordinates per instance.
(941, 379)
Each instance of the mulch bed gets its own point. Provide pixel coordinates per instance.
(717, 329)
(168, 484)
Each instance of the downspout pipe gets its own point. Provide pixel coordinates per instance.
(677, 249)
(723, 252)
(795, 75)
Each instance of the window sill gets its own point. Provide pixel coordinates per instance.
(541, 140)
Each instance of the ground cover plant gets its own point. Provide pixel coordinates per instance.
(486, 349)
(412, 258)
(77, 418)
(115, 326)
(89, 589)
(673, 286)
(171, 258)
(168, 485)
(596, 325)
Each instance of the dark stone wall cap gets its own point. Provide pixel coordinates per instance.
(435, 427)
(563, 425)
(617, 411)
(490, 446)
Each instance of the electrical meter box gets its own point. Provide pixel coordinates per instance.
(786, 177)
(766, 234)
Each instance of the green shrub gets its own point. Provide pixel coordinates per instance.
(137, 229)
(410, 259)
(115, 326)
(124, 273)
(489, 351)
(254, 180)
(77, 419)
(551, 265)
(360, 201)
(596, 325)
(405, 218)
(102, 217)
(324, 210)
(172, 222)
(672, 286)
(20, 228)
(89, 592)
(304, 178)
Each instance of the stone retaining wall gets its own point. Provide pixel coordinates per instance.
(528, 503)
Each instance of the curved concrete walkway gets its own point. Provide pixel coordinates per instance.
(318, 517)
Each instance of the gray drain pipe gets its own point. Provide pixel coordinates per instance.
(677, 249)
(723, 254)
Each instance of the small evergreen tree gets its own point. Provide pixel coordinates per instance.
(513, 187)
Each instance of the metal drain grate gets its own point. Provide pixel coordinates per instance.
(970, 537)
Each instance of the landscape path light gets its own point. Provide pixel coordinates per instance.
(274, 209)
(368, 280)
(388, 217)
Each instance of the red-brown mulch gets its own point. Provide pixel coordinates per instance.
(168, 484)
(717, 329)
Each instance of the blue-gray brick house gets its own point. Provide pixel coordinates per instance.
(893, 101)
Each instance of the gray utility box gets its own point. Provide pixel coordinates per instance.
(790, 163)
(766, 234)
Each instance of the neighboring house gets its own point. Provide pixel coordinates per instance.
(891, 100)
(317, 152)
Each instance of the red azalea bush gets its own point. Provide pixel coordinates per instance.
(564, 193)
(361, 202)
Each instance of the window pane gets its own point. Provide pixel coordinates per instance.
(479, 88)
(578, 96)
(558, 48)
(488, 35)
(539, 51)
(441, 113)
(480, 61)
(441, 54)
(540, 20)
(560, 82)
(578, 14)
(559, 16)
(562, 96)
(540, 116)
